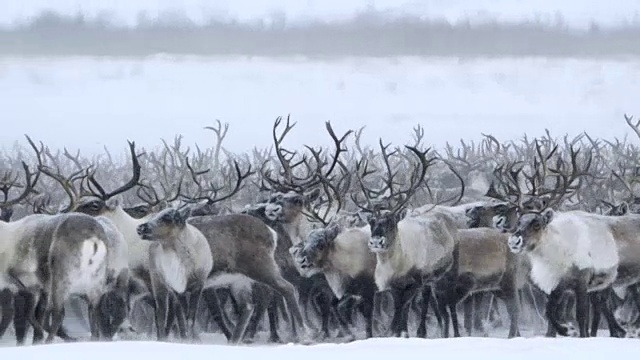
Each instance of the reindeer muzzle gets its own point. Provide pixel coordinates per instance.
(516, 243)
(304, 263)
(378, 243)
(273, 212)
(144, 231)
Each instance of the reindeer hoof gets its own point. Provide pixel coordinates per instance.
(307, 339)
(348, 338)
(276, 340)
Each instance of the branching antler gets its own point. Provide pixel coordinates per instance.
(98, 191)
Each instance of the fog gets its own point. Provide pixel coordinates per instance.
(575, 13)
(308, 28)
(92, 74)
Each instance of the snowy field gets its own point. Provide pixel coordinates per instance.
(88, 103)
(373, 349)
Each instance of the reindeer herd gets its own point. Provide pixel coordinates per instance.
(334, 244)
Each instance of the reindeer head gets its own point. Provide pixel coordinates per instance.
(529, 230)
(384, 230)
(285, 207)
(95, 206)
(165, 225)
(6, 214)
(293, 191)
(139, 211)
(507, 219)
(535, 204)
(384, 219)
(483, 215)
(618, 210)
(310, 255)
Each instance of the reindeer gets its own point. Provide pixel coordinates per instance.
(343, 257)
(180, 261)
(340, 254)
(568, 251)
(486, 265)
(289, 205)
(242, 247)
(53, 256)
(410, 250)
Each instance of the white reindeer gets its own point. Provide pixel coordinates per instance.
(576, 251)
(181, 261)
(343, 257)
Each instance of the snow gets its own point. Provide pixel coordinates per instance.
(576, 13)
(372, 349)
(87, 103)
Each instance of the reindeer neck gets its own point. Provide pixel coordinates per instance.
(298, 229)
(125, 223)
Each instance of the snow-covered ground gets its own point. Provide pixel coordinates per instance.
(88, 103)
(461, 348)
(575, 13)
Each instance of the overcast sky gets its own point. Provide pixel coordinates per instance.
(578, 13)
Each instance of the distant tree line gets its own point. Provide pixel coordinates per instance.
(368, 34)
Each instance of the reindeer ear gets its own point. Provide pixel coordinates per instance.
(160, 206)
(113, 203)
(183, 214)
(501, 208)
(364, 216)
(333, 230)
(402, 214)
(547, 216)
(544, 202)
(624, 208)
(313, 195)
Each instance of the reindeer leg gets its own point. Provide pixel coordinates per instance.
(468, 308)
(442, 302)
(396, 319)
(322, 303)
(246, 307)
(595, 299)
(194, 303)
(633, 289)
(582, 308)
(615, 330)
(462, 286)
(217, 312)
(94, 321)
(58, 291)
(510, 296)
(269, 274)
(112, 312)
(22, 305)
(261, 299)
(161, 299)
(408, 296)
(553, 310)
(272, 313)
(481, 305)
(6, 302)
(341, 319)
